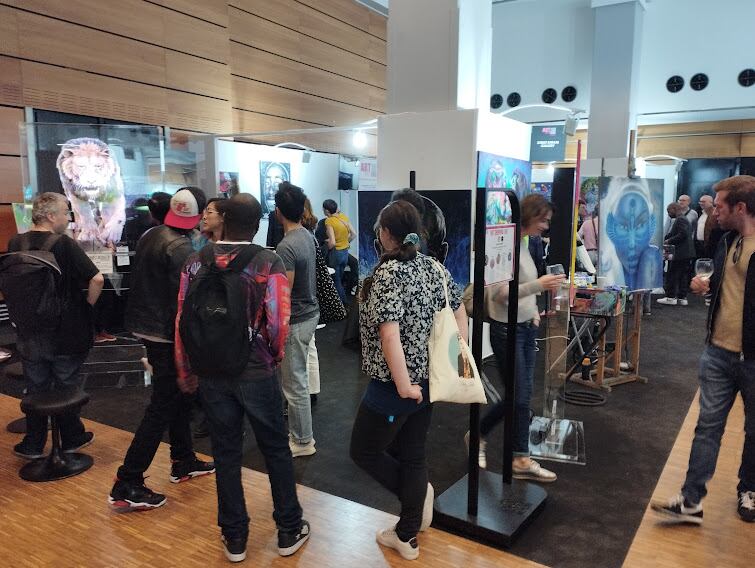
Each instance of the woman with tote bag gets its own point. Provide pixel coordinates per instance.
(398, 305)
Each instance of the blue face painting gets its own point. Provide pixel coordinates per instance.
(630, 227)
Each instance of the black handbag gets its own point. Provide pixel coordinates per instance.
(331, 306)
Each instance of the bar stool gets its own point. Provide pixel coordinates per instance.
(59, 464)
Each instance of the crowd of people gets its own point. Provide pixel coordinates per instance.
(186, 286)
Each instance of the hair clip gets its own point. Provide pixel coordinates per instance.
(411, 238)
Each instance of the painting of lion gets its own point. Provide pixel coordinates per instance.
(92, 182)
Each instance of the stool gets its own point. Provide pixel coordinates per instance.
(58, 464)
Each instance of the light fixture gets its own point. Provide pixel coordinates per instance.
(660, 157)
(359, 140)
(293, 145)
(551, 168)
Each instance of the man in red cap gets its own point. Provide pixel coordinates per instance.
(150, 316)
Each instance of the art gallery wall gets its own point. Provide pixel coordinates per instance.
(318, 177)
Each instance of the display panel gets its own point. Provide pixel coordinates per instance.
(499, 172)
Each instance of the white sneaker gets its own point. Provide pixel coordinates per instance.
(407, 550)
(682, 302)
(482, 458)
(667, 301)
(427, 509)
(299, 450)
(675, 510)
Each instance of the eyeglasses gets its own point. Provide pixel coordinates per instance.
(738, 250)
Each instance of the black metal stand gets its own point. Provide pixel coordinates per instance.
(486, 506)
(17, 426)
(58, 465)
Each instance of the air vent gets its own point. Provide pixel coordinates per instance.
(549, 96)
(496, 101)
(513, 99)
(568, 94)
(675, 84)
(699, 82)
(747, 78)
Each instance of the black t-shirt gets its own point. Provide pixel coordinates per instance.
(75, 334)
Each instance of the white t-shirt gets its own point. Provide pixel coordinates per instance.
(700, 236)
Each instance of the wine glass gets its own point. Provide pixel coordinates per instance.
(557, 269)
(704, 268)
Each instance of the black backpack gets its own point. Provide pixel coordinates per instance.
(30, 281)
(214, 325)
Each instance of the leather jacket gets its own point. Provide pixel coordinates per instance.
(153, 295)
(748, 311)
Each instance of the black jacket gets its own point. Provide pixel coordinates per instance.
(748, 312)
(153, 297)
(681, 237)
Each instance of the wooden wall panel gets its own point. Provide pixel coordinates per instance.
(247, 121)
(8, 31)
(199, 76)
(138, 20)
(263, 66)
(314, 23)
(720, 146)
(215, 11)
(9, 138)
(353, 14)
(268, 36)
(11, 186)
(7, 226)
(10, 81)
(268, 99)
(747, 145)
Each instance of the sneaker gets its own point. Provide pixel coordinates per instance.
(407, 550)
(683, 302)
(298, 450)
(29, 451)
(427, 509)
(678, 510)
(104, 336)
(535, 472)
(288, 543)
(185, 470)
(85, 439)
(482, 454)
(667, 301)
(134, 496)
(746, 508)
(234, 548)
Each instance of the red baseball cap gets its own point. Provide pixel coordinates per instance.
(185, 211)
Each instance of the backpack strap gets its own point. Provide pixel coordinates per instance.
(207, 255)
(47, 245)
(244, 257)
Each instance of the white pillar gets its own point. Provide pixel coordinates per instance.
(439, 55)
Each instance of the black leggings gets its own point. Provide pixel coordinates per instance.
(405, 477)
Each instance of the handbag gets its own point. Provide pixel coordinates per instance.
(453, 373)
(331, 306)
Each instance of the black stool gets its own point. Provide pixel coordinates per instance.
(58, 464)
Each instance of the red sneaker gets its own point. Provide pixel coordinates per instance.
(104, 336)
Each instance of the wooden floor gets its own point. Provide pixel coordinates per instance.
(68, 523)
(723, 540)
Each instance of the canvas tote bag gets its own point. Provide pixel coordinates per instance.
(453, 373)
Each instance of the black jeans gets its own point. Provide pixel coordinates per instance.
(169, 409)
(406, 477)
(226, 402)
(45, 370)
(677, 279)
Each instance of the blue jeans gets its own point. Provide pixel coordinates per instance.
(226, 402)
(722, 375)
(46, 370)
(524, 361)
(295, 379)
(340, 262)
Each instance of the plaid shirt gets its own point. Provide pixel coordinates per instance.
(266, 280)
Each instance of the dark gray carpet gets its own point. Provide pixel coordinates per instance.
(592, 511)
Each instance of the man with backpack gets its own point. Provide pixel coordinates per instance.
(150, 316)
(232, 324)
(43, 279)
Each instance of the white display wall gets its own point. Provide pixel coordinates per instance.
(315, 172)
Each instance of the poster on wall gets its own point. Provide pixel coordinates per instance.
(92, 183)
(631, 232)
(447, 214)
(228, 184)
(271, 174)
(367, 174)
(548, 143)
(589, 192)
(544, 189)
(22, 216)
(498, 172)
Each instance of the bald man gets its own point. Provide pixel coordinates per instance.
(690, 214)
(698, 227)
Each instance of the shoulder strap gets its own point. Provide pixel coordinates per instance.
(207, 255)
(50, 241)
(438, 267)
(244, 257)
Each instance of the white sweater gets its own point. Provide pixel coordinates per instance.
(529, 288)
